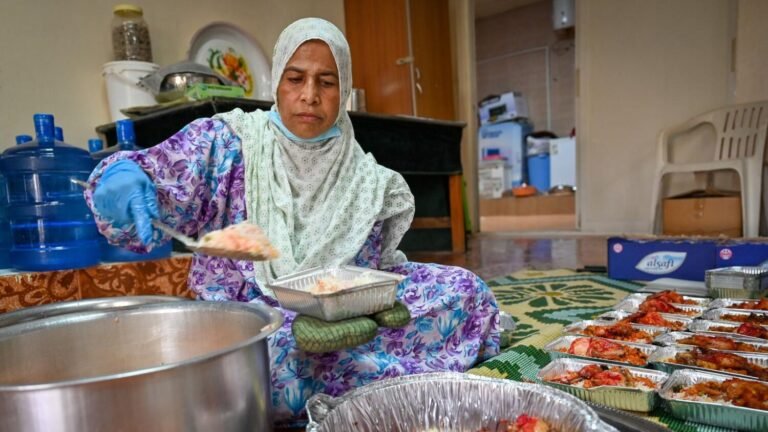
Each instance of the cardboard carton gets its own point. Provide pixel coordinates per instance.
(703, 213)
(647, 258)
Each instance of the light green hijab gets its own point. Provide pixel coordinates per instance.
(317, 202)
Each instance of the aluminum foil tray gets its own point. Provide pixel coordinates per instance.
(293, 293)
(618, 315)
(719, 314)
(711, 413)
(700, 301)
(706, 326)
(577, 328)
(564, 342)
(659, 360)
(632, 305)
(746, 282)
(626, 398)
(729, 303)
(673, 338)
(447, 402)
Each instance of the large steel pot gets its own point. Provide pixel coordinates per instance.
(174, 366)
(68, 307)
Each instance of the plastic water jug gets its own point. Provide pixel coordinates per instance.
(109, 253)
(5, 228)
(22, 139)
(51, 226)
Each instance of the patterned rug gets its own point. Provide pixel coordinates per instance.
(542, 303)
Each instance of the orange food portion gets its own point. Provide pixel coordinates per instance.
(523, 423)
(607, 350)
(653, 319)
(621, 331)
(746, 329)
(669, 296)
(720, 361)
(655, 305)
(751, 318)
(760, 305)
(739, 392)
(601, 375)
(749, 329)
(243, 237)
(719, 343)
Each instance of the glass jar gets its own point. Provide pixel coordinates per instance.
(130, 34)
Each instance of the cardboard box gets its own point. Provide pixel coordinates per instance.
(491, 178)
(542, 212)
(529, 206)
(653, 258)
(742, 252)
(506, 106)
(649, 258)
(705, 213)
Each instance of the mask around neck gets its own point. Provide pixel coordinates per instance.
(333, 132)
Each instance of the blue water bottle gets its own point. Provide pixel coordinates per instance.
(5, 228)
(51, 225)
(126, 141)
(23, 139)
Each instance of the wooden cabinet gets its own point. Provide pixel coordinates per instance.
(401, 56)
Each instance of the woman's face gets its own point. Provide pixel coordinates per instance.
(308, 93)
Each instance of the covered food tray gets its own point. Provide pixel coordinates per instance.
(448, 401)
(578, 328)
(564, 342)
(632, 305)
(618, 315)
(723, 314)
(748, 282)
(375, 293)
(700, 301)
(660, 360)
(729, 303)
(711, 326)
(673, 338)
(712, 413)
(626, 398)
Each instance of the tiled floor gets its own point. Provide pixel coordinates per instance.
(492, 255)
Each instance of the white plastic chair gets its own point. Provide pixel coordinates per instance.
(740, 132)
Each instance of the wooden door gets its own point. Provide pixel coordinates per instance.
(378, 35)
(433, 64)
(377, 32)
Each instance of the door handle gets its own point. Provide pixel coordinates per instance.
(404, 60)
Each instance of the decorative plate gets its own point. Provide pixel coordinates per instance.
(235, 54)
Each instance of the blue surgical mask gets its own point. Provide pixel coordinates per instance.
(333, 132)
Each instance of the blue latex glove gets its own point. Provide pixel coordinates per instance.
(126, 195)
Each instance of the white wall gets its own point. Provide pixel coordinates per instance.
(642, 65)
(53, 51)
(752, 51)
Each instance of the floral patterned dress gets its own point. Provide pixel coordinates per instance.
(199, 177)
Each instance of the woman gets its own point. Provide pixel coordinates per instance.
(298, 172)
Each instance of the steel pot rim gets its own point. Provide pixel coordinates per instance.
(103, 304)
(273, 317)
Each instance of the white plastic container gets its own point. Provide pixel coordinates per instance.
(123, 90)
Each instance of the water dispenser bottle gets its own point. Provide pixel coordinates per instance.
(21, 139)
(5, 228)
(126, 140)
(51, 226)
